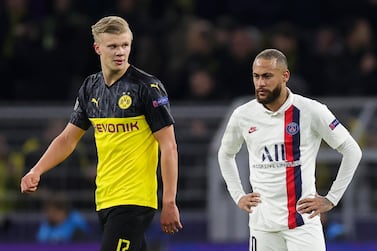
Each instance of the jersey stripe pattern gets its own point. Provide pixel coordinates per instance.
(293, 173)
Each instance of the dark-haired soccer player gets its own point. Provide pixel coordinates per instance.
(130, 113)
(283, 132)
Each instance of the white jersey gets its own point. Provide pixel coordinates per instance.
(283, 147)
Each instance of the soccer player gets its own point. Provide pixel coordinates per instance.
(283, 132)
(130, 113)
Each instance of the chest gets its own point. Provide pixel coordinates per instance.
(266, 131)
(120, 100)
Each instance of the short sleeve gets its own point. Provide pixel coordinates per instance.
(79, 116)
(328, 126)
(232, 140)
(157, 106)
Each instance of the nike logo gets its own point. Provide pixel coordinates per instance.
(252, 129)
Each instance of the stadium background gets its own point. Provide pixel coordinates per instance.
(201, 50)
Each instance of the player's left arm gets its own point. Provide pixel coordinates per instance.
(338, 137)
(351, 156)
(170, 220)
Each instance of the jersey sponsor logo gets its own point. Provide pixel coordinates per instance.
(334, 124)
(123, 245)
(95, 101)
(292, 128)
(274, 165)
(277, 154)
(116, 128)
(161, 101)
(125, 101)
(276, 158)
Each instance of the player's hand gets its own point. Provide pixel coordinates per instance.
(314, 206)
(169, 219)
(248, 201)
(29, 183)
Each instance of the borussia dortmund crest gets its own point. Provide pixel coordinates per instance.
(125, 101)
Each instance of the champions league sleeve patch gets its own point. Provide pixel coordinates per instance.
(334, 124)
(160, 101)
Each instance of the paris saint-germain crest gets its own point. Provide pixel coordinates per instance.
(292, 128)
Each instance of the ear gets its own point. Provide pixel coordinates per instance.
(96, 48)
(286, 75)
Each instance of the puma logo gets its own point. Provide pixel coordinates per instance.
(155, 86)
(95, 101)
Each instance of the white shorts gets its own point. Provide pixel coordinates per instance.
(308, 237)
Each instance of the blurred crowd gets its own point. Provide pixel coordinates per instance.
(61, 220)
(201, 50)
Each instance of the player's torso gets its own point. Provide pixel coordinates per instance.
(117, 114)
(282, 148)
(127, 150)
(275, 140)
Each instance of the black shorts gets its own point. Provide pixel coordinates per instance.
(124, 227)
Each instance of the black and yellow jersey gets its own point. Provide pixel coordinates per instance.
(124, 116)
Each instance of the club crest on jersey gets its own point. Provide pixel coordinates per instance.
(125, 101)
(292, 128)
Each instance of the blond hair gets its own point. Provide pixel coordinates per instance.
(112, 25)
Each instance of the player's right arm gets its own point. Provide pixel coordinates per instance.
(231, 143)
(59, 149)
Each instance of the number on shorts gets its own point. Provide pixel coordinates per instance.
(253, 243)
(123, 245)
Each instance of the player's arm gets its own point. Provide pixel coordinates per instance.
(231, 144)
(170, 220)
(59, 149)
(248, 201)
(351, 156)
(337, 137)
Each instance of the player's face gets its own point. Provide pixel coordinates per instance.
(114, 50)
(269, 80)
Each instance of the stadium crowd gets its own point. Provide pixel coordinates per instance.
(201, 50)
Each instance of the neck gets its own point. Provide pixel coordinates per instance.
(112, 76)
